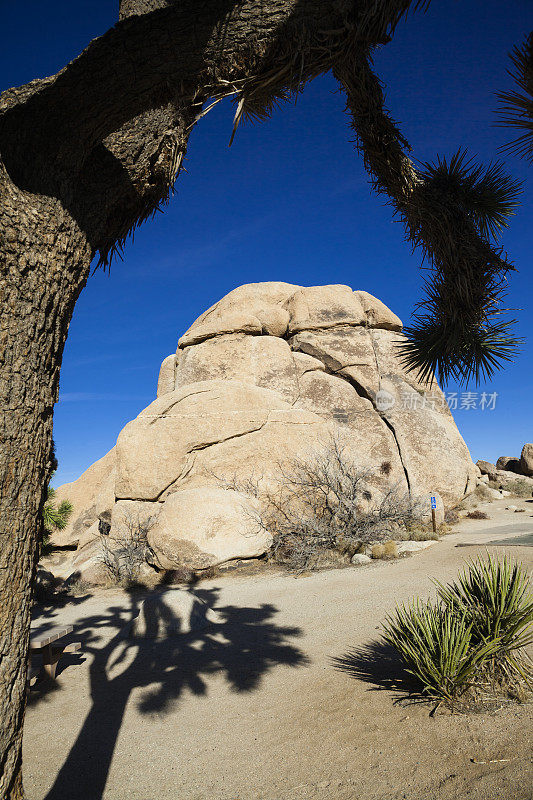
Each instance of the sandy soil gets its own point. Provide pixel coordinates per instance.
(290, 699)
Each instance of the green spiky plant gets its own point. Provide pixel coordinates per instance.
(437, 648)
(54, 517)
(496, 599)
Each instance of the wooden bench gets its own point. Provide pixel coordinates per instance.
(51, 650)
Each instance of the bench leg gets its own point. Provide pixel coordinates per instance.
(51, 656)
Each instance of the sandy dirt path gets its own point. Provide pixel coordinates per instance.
(257, 709)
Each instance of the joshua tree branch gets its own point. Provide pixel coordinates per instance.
(453, 335)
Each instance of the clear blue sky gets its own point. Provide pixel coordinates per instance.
(289, 201)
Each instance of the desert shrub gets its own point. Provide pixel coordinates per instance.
(474, 636)
(481, 494)
(78, 586)
(476, 514)
(437, 647)
(378, 551)
(124, 549)
(451, 516)
(387, 550)
(54, 518)
(325, 502)
(421, 534)
(520, 487)
(496, 598)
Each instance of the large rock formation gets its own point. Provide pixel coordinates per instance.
(521, 465)
(526, 459)
(265, 375)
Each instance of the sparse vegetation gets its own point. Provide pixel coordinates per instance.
(451, 516)
(387, 550)
(476, 514)
(418, 533)
(324, 506)
(481, 494)
(436, 646)
(124, 549)
(496, 597)
(78, 587)
(473, 637)
(520, 487)
(54, 518)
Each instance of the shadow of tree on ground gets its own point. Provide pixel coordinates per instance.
(244, 647)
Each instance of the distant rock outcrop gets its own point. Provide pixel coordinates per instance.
(522, 465)
(265, 375)
(509, 464)
(526, 460)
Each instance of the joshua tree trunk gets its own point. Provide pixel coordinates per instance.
(45, 262)
(92, 152)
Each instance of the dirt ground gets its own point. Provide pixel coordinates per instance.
(291, 698)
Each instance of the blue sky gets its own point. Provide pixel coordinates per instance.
(288, 201)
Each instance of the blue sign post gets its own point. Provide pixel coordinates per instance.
(433, 509)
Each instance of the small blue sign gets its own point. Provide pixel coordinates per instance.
(433, 502)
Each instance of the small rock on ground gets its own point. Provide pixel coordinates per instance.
(359, 559)
(413, 547)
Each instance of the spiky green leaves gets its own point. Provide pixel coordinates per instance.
(516, 108)
(496, 597)
(459, 352)
(437, 648)
(55, 518)
(478, 627)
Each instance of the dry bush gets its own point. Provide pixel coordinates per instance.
(477, 515)
(124, 549)
(387, 550)
(78, 586)
(325, 503)
(419, 531)
(452, 516)
(520, 487)
(425, 534)
(481, 494)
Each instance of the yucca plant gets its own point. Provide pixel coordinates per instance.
(54, 518)
(437, 648)
(495, 597)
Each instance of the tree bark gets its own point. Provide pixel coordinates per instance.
(45, 263)
(85, 156)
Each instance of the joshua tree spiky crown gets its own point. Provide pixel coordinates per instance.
(516, 108)
(121, 166)
(454, 210)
